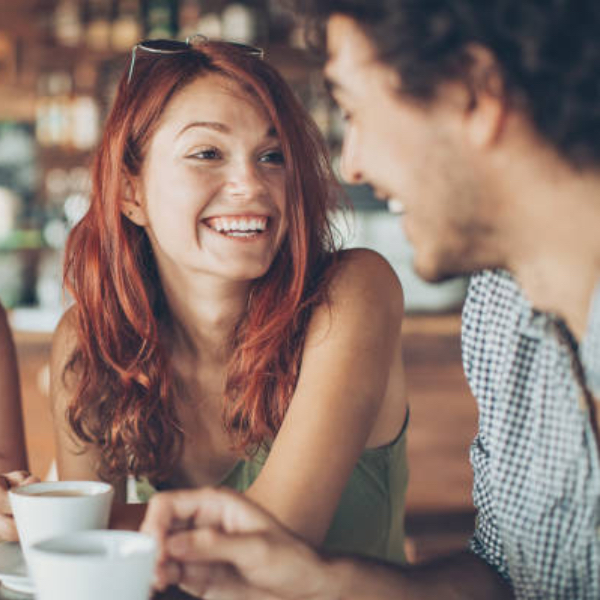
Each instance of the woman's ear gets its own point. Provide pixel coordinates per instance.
(132, 205)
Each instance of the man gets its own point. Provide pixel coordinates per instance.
(483, 120)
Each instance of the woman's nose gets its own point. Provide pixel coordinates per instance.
(244, 181)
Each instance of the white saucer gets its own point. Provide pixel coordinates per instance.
(13, 570)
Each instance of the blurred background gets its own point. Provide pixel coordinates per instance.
(59, 63)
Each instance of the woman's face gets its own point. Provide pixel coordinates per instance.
(211, 194)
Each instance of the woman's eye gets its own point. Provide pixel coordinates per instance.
(274, 157)
(207, 154)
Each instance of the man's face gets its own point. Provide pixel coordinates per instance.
(409, 152)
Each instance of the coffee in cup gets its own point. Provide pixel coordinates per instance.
(50, 508)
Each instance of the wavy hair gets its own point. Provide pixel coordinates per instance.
(123, 403)
(547, 52)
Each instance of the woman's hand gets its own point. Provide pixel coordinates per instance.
(8, 531)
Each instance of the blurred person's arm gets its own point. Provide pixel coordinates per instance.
(215, 544)
(13, 455)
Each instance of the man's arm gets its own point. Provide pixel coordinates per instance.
(217, 545)
(463, 576)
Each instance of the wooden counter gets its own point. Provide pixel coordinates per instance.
(443, 415)
(440, 514)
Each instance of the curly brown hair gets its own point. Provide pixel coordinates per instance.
(547, 51)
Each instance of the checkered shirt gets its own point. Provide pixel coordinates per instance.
(535, 459)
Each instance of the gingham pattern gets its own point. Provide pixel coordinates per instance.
(535, 459)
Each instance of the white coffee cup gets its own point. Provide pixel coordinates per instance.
(43, 510)
(94, 565)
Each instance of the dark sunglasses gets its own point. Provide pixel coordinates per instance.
(178, 47)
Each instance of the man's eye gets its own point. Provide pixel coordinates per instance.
(274, 157)
(346, 116)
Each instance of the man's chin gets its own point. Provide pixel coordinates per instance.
(437, 271)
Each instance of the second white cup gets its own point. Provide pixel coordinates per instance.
(94, 565)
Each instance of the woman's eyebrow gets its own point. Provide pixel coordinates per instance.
(214, 125)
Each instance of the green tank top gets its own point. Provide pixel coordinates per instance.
(369, 520)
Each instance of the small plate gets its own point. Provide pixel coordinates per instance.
(13, 570)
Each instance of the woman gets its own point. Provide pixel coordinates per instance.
(13, 457)
(217, 337)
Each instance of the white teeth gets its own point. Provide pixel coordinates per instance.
(238, 224)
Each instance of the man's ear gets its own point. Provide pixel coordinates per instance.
(488, 106)
(132, 205)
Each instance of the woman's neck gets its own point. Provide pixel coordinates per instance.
(203, 313)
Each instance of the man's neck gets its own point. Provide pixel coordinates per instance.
(556, 254)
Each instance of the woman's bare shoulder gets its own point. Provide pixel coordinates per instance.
(64, 344)
(64, 338)
(364, 275)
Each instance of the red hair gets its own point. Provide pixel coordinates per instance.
(124, 398)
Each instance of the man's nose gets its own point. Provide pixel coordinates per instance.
(350, 169)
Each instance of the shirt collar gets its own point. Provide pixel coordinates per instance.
(590, 346)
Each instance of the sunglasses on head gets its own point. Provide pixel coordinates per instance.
(167, 47)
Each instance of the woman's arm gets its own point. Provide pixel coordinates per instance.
(13, 456)
(350, 395)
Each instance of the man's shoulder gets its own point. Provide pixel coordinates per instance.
(492, 296)
(493, 311)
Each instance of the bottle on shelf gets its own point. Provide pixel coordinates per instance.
(239, 23)
(53, 110)
(98, 15)
(68, 27)
(126, 28)
(85, 122)
(161, 18)
(65, 120)
(189, 15)
(210, 25)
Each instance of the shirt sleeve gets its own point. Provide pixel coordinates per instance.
(486, 542)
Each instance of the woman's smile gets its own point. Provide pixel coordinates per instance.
(239, 227)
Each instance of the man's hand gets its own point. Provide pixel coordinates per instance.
(8, 531)
(216, 544)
